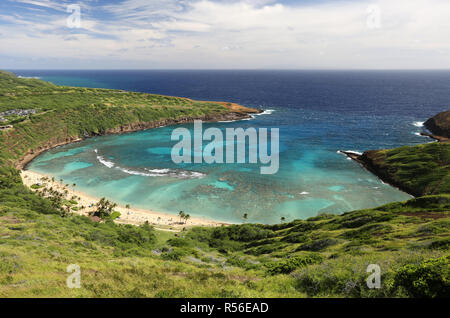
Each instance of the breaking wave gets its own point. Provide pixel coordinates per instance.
(145, 172)
(350, 151)
(252, 116)
(104, 162)
(265, 112)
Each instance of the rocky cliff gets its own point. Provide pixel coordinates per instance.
(439, 125)
(418, 170)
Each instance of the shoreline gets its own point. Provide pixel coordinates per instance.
(237, 112)
(435, 137)
(360, 159)
(133, 216)
(364, 160)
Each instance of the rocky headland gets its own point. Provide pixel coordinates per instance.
(417, 170)
(439, 126)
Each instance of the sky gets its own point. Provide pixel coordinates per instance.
(225, 34)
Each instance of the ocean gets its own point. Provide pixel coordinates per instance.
(317, 113)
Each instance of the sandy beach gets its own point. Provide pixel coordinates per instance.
(128, 216)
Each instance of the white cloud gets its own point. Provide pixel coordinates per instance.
(241, 34)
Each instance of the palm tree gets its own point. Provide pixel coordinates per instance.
(104, 208)
(186, 217)
(283, 219)
(245, 216)
(182, 215)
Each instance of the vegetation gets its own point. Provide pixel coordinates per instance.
(419, 170)
(429, 279)
(324, 256)
(105, 209)
(68, 113)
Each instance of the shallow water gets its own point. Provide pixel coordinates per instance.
(317, 113)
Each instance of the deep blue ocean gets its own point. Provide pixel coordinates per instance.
(317, 112)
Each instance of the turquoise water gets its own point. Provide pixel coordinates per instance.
(318, 113)
(136, 169)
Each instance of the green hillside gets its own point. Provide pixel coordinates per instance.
(419, 170)
(68, 113)
(324, 256)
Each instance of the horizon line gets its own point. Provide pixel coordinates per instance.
(216, 69)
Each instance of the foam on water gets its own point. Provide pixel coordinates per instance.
(265, 112)
(317, 113)
(146, 172)
(104, 162)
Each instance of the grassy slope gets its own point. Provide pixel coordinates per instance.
(332, 254)
(323, 256)
(419, 170)
(70, 112)
(115, 261)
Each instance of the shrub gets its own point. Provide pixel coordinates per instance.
(174, 255)
(289, 265)
(241, 233)
(114, 215)
(443, 244)
(179, 242)
(241, 262)
(360, 218)
(318, 245)
(429, 279)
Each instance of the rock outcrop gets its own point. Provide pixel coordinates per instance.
(418, 170)
(439, 125)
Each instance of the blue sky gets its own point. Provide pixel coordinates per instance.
(225, 34)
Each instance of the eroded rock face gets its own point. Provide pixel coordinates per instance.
(440, 124)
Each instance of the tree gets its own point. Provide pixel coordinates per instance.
(181, 215)
(245, 216)
(283, 219)
(65, 211)
(186, 217)
(104, 208)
